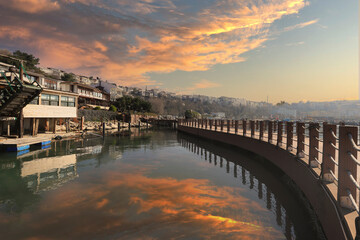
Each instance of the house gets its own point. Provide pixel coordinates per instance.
(88, 96)
(44, 111)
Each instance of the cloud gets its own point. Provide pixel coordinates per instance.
(295, 44)
(32, 6)
(125, 40)
(301, 25)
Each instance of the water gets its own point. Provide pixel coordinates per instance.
(151, 185)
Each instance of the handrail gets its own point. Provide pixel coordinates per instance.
(8, 82)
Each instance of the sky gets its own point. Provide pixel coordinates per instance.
(291, 50)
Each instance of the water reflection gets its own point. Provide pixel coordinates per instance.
(278, 199)
(152, 185)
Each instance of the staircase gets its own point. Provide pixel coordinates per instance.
(16, 95)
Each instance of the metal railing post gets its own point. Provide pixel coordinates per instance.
(222, 125)
(210, 123)
(215, 125)
(348, 168)
(252, 128)
(236, 126)
(244, 127)
(314, 144)
(329, 138)
(289, 136)
(279, 133)
(206, 123)
(261, 134)
(270, 131)
(300, 132)
(228, 126)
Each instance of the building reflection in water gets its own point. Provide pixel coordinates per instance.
(49, 173)
(251, 179)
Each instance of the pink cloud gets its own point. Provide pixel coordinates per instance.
(126, 43)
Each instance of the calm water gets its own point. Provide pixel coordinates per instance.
(151, 185)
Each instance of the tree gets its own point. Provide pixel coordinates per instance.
(30, 62)
(70, 77)
(190, 114)
(281, 103)
(128, 103)
(113, 108)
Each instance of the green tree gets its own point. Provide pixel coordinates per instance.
(30, 61)
(70, 77)
(113, 108)
(128, 103)
(189, 114)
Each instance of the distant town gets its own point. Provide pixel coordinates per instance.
(88, 92)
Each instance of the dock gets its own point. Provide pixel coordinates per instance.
(23, 144)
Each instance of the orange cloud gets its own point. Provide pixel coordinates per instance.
(32, 6)
(126, 43)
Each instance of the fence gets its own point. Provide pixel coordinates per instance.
(331, 151)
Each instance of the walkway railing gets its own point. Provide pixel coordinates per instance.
(330, 150)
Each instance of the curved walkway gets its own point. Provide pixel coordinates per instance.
(337, 222)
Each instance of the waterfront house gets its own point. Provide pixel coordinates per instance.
(44, 111)
(89, 97)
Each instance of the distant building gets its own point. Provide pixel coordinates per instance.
(218, 115)
(53, 72)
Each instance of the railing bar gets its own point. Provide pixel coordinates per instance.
(333, 175)
(306, 144)
(305, 153)
(332, 159)
(318, 150)
(353, 143)
(353, 158)
(317, 160)
(334, 146)
(353, 180)
(333, 134)
(353, 202)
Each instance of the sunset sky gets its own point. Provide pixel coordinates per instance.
(292, 50)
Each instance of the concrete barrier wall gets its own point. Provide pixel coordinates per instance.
(334, 225)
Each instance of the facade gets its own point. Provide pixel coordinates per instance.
(89, 97)
(45, 110)
(55, 73)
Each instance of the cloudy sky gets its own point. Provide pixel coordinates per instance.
(288, 50)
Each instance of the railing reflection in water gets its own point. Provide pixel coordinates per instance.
(247, 179)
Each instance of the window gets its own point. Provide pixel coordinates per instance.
(35, 101)
(67, 101)
(47, 99)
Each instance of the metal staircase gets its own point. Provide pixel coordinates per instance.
(17, 94)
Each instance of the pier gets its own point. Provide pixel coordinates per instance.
(321, 159)
(23, 144)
